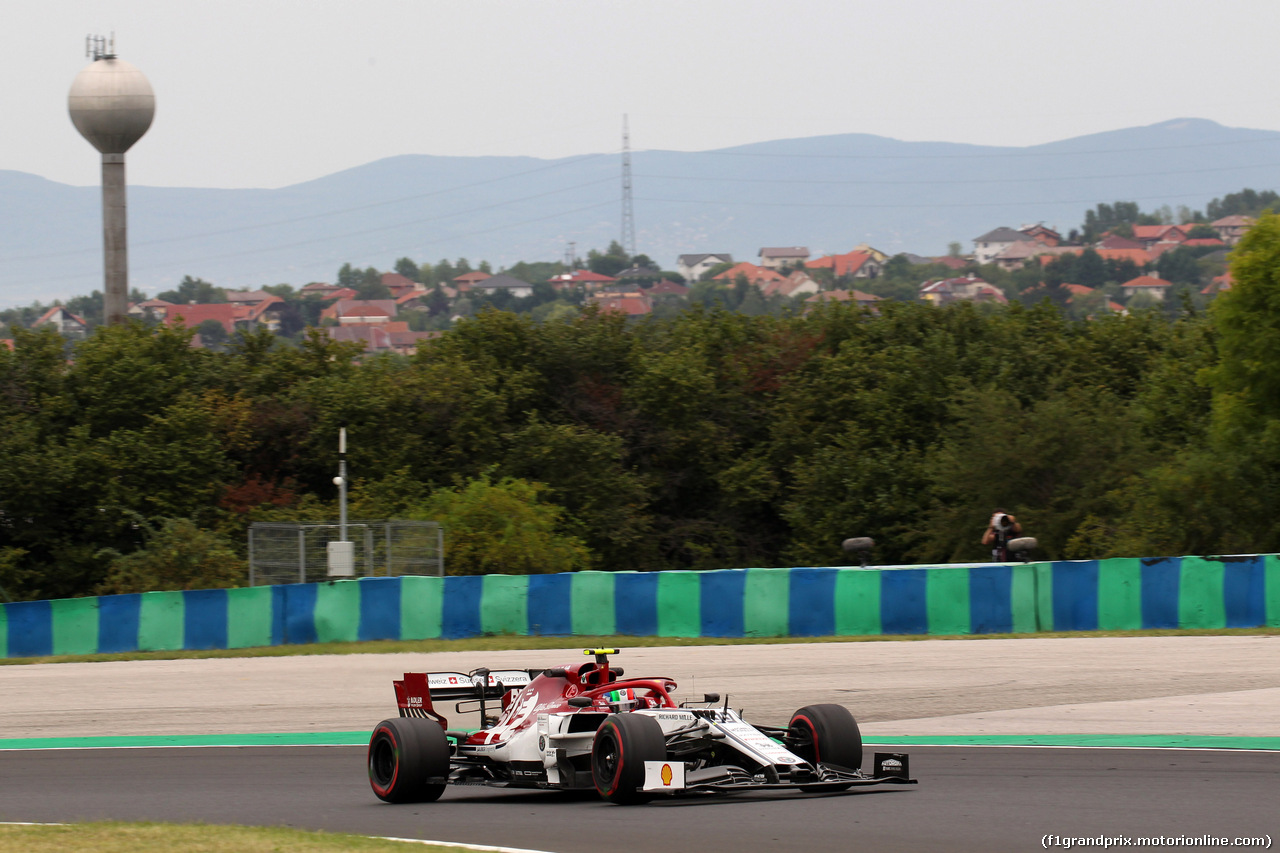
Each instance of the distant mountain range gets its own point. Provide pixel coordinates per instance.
(828, 193)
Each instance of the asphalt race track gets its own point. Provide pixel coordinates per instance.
(968, 799)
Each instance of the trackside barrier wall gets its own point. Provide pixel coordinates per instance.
(1117, 594)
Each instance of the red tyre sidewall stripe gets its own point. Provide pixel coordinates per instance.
(817, 753)
(395, 773)
(617, 776)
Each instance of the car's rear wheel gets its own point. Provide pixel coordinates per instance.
(826, 734)
(408, 760)
(624, 742)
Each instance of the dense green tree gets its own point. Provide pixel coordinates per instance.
(194, 290)
(503, 527)
(408, 268)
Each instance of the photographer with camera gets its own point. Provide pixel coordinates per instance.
(1000, 530)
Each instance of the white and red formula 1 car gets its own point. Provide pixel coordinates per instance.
(584, 726)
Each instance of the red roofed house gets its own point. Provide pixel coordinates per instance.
(1042, 234)
(387, 337)
(864, 300)
(228, 314)
(1157, 287)
(399, 284)
(581, 278)
(63, 320)
(151, 309)
(350, 312)
(632, 306)
(1149, 235)
(1193, 242)
(1232, 228)
(964, 289)
(668, 288)
(799, 283)
(754, 274)
(468, 280)
(1219, 284)
(860, 263)
(1017, 255)
(1115, 241)
(951, 262)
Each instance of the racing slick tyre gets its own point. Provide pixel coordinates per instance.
(408, 760)
(624, 742)
(827, 734)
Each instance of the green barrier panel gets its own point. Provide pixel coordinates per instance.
(946, 595)
(75, 626)
(1023, 599)
(249, 617)
(1044, 596)
(1271, 581)
(1200, 601)
(1120, 594)
(161, 618)
(4, 631)
(857, 603)
(504, 604)
(679, 603)
(337, 613)
(591, 604)
(421, 607)
(766, 602)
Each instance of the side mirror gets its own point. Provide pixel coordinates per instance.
(710, 697)
(580, 702)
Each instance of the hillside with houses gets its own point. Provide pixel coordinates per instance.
(1136, 262)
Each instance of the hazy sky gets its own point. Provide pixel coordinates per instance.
(268, 93)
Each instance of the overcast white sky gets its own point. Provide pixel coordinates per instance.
(266, 93)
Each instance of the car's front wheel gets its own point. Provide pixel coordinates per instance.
(408, 760)
(624, 742)
(826, 734)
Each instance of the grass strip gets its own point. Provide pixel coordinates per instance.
(512, 642)
(120, 837)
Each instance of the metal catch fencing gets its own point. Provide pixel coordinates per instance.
(287, 552)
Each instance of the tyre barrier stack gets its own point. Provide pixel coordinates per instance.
(1089, 595)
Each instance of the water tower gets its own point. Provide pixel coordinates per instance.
(111, 104)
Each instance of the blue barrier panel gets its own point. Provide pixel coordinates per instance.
(811, 608)
(204, 624)
(30, 629)
(299, 613)
(1244, 591)
(118, 623)
(904, 603)
(1160, 581)
(991, 600)
(379, 609)
(1075, 596)
(462, 607)
(721, 602)
(550, 613)
(635, 603)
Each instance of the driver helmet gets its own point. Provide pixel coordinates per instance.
(621, 700)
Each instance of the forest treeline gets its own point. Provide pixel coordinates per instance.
(706, 440)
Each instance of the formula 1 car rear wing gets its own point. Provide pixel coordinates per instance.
(418, 691)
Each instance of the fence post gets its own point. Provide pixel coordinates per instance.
(250, 555)
(440, 546)
(302, 555)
